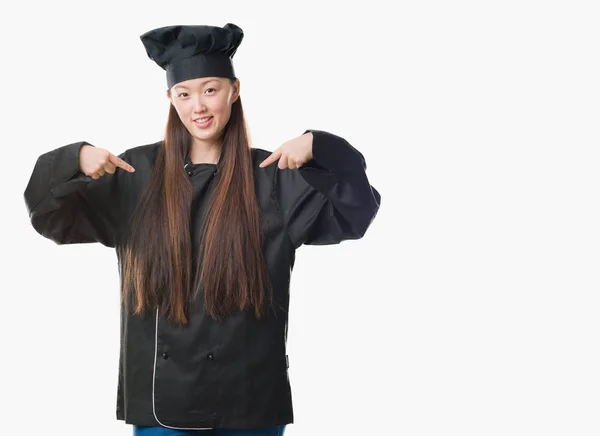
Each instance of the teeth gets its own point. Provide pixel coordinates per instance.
(203, 120)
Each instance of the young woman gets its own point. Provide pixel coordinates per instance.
(205, 229)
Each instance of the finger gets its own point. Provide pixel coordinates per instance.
(109, 168)
(283, 162)
(95, 176)
(117, 161)
(292, 164)
(272, 158)
(101, 172)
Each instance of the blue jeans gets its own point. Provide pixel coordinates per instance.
(163, 431)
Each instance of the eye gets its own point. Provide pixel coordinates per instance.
(181, 93)
(211, 89)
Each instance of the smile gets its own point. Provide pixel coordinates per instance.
(203, 122)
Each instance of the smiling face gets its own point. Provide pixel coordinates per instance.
(204, 106)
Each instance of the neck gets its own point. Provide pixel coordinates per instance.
(205, 152)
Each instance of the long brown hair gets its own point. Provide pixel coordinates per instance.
(156, 259)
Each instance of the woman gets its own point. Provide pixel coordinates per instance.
(205, 229)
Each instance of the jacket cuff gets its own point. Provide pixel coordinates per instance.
(335, 153)
(66, 163)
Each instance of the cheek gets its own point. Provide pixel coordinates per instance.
(183, 109)
(177, 108)
(222, 109)
(184, 113)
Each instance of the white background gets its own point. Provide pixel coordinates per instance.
(471, 305)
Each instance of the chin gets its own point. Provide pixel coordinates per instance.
(203, 135)
(209, 137)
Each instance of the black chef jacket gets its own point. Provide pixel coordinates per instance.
(228, 374)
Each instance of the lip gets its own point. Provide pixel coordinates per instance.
(204, 125)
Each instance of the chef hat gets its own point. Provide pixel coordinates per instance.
(188, 52)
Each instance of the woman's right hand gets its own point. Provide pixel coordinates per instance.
(95, 162)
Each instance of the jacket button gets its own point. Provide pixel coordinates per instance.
(210, 356)
(165, 355)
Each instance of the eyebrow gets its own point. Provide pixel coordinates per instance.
(201, 84)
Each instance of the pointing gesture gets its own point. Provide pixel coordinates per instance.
(293, 153)
(95, 162)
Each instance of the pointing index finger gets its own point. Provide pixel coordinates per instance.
(272, 158)
(117, 161)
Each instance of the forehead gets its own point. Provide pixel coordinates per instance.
(199, 82)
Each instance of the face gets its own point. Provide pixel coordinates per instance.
(204, 106)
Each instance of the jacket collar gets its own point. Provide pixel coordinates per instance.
(188, 163)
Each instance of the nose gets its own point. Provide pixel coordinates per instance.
(199, 105)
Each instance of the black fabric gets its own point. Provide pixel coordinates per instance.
(229, 374)
(189, 52)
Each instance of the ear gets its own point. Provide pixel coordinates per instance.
(236, 91)
(169, 94)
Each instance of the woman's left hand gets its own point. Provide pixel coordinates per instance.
(293, 153)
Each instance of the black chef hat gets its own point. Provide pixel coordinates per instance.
(188, 52)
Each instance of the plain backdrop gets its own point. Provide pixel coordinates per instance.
(470, 307)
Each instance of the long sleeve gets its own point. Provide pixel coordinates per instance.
(68, 207)
(328, 199)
